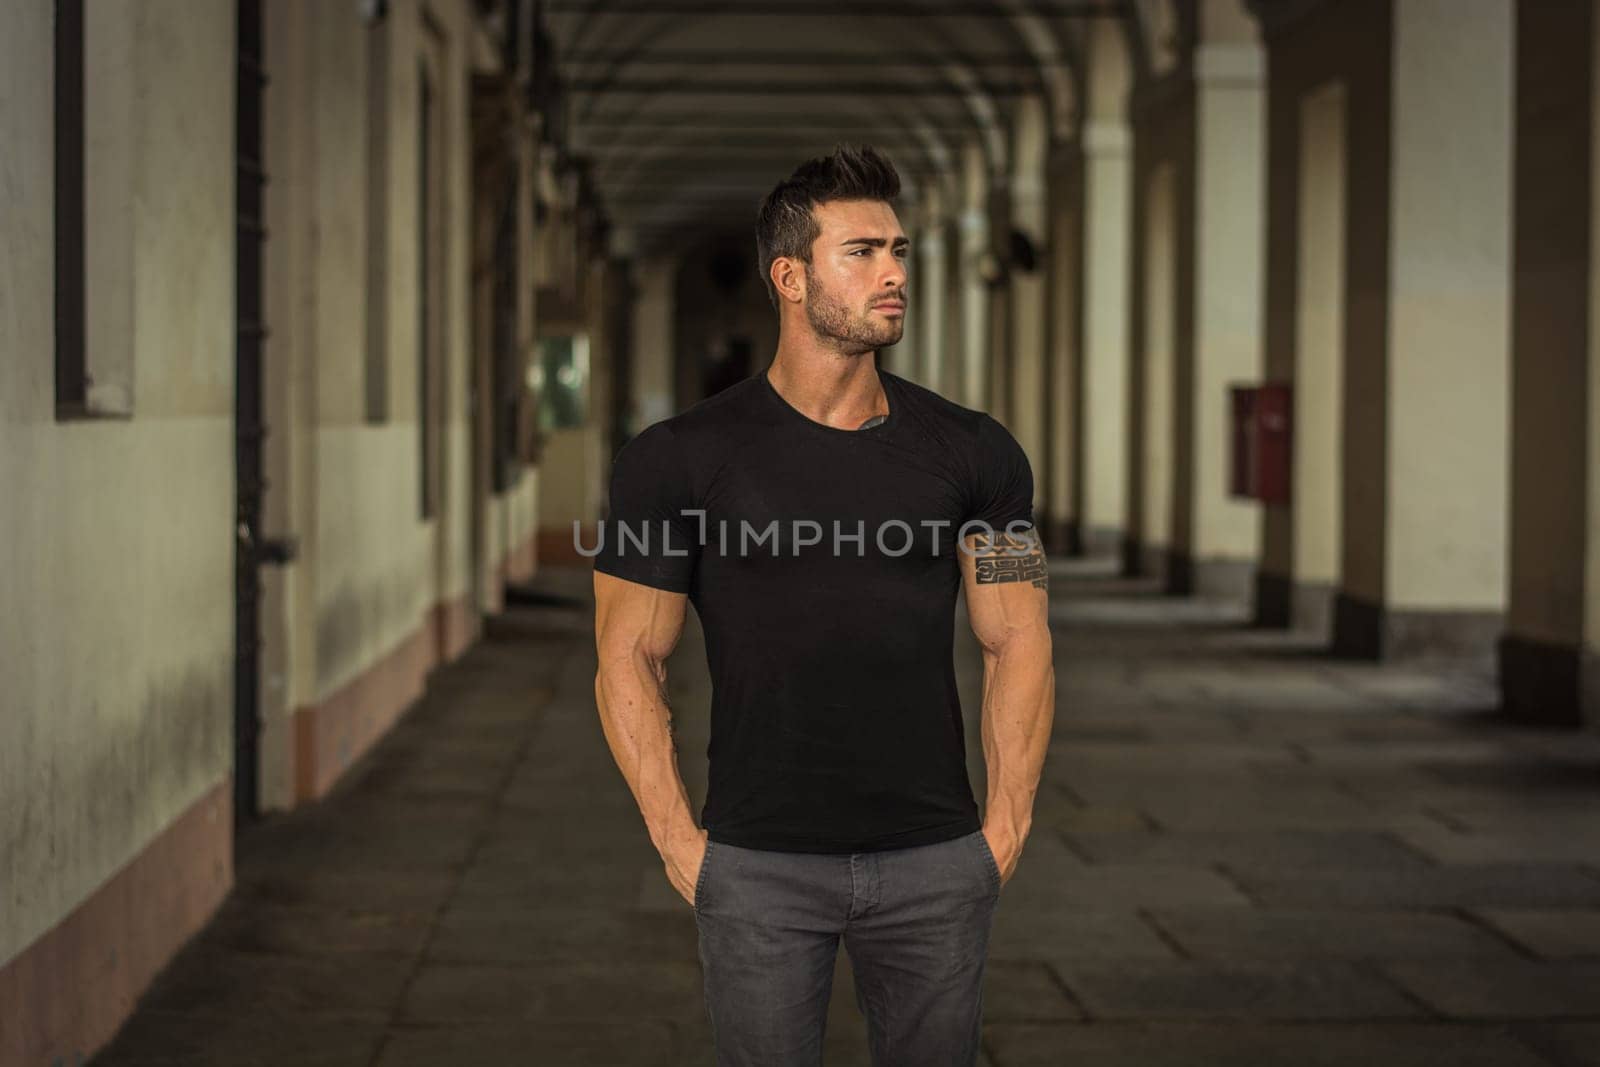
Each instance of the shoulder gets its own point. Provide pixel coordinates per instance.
(968, 431)
(710, 417)
(934, 408)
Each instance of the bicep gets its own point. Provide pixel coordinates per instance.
(1006, 584)
(632, 618)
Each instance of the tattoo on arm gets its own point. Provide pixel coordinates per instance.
(1007, 557)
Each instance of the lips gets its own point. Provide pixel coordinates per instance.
(891, 306)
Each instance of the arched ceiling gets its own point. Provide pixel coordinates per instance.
(689, 111)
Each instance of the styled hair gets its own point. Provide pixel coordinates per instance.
(786, 226)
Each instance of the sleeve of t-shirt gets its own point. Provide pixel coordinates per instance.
(1002, 481)
(647, 537)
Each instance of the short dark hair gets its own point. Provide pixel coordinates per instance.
(786, 226)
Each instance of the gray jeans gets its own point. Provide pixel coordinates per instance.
(915, 923)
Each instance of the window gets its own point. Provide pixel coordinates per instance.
(377, 355)
(71, 371)
(94, 153)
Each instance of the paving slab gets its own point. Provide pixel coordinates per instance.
(1104, 1044)
(534, 886)
(211, 981)
(1190, 989)
(241, 1039)
(1022, 991)
(1106, 887)
(1103, 936)
(1243, 852)
(564, 989)
(1288, 935)
(513, 933)
(1273, 849)
(1534, 844)
(345, 929)
(1504, 990)
(1563, 1044)
(1479, 885)
(1094, 818)
(1553, 935)
(623, 1042)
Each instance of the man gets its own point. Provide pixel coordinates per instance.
(814, 514)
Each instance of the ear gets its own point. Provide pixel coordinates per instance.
(789, 278)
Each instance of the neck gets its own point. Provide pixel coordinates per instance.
(838, 391)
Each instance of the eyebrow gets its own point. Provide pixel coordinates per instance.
(875, 242)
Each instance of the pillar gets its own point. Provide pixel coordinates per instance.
(1318, 411)
(928, 286)
(1432, 577)
(1106, 332)
(974, 222)
(1550, 621)
(1027, 287)
(1216, 538)
(1064, 468)
(1424, 322)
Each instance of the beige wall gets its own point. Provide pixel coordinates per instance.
(371, 567)
(1230, 218)
(1319, 339)
(1107, 173)
(1449, 323)
(116, 643)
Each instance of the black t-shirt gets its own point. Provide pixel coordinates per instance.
(835, 722)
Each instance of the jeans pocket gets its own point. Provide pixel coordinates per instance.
(989, 861)
(700, 880)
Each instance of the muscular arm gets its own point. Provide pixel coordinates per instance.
(636, 628)
(1006, 587)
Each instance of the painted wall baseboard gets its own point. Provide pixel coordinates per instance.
(66, 995)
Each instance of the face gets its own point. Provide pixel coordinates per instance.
(856, 282)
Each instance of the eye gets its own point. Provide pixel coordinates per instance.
(858, 251)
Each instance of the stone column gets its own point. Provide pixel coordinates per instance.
(1432, 575)
(927, 288)
(1064, 466)
(974, 222)
(1219, 542)
(1105, 356)
(1025, 410)
(1151, 484)
(1318, 471)
(654, 310)
(1550, 621)
(1412, 289)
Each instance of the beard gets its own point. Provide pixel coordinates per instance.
(843, 328)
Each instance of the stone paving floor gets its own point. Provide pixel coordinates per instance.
(1244, 853)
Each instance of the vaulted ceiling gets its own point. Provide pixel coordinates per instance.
(688, 111)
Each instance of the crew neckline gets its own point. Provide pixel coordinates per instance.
(888, 420)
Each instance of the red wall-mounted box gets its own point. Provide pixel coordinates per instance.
(1260, 462)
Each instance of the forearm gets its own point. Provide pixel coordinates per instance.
(1018, 711)
(630, 692)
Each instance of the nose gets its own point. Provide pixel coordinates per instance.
(894, 279)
